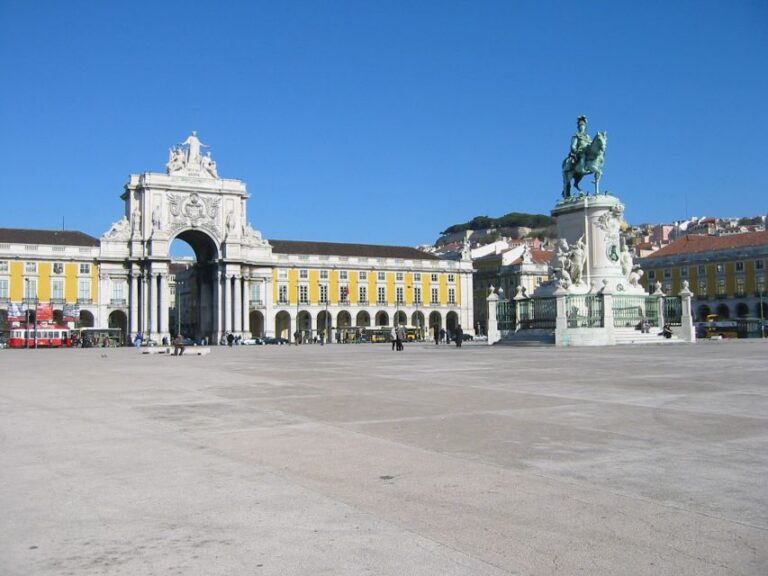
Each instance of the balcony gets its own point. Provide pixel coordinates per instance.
(118, 302)
(381, 303)
(255, 304)
(58, 301)
(85, 300)
(362, 302)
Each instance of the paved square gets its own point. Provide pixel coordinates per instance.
(351, 460)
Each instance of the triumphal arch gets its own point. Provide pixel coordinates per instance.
(192, 203)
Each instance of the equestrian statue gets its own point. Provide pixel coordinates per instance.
(586, 156)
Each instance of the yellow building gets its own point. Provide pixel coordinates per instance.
(41, 269)
(726, 273)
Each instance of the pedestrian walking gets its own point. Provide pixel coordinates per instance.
(393, 338)
(459, 335)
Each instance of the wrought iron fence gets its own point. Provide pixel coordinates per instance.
(630, 310)
(505, 316)
(673, 310)
(537, 313)
(584, 311)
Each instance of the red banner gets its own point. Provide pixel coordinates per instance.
(44, 313)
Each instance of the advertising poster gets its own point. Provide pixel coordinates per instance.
(44, 313)
(16, 312)
(71, 312)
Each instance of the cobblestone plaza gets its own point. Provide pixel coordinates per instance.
(353, 459)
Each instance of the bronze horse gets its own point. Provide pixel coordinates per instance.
(591, 163)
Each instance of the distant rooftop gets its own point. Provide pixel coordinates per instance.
(694, 243)
(340, 249)
(46, 237)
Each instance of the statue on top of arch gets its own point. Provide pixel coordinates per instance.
(185, 159)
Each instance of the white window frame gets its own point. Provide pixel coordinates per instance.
(362, 275)
(303, 294)
(282, 294)
(399, 276)
(30, 267)
(362, 293)
(282, 274)
(323, 293)
(30, 288)
(452, 278)
(435, 295)
(434, 278)
(451, 295)
(323, 274)
(343, 275)
(4, 266)
(4, 288)
(303, 274)
(400, 294)
(84, 269)
(57, 294)
(381, 295)
(417, 294)
(84, 289)
(381, 276)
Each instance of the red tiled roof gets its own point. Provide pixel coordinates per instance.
(694, 243)
(539, 257)
(49, 237)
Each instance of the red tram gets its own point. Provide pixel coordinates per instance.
(48, 336)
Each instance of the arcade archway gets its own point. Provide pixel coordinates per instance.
(197, 284)
(256, 323)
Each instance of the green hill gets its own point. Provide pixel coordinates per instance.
(513, 219)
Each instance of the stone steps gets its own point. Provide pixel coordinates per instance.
(529, 338)
(632, 336)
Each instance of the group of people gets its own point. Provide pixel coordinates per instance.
(447, 336)
(397, 335)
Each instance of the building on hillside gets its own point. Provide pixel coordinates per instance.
(238, 282)
(726, 273)
(507, 269)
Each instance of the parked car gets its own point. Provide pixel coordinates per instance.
(252, 342)
(467, 337)
(272, 340)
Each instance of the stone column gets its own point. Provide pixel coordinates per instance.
(162, 321)
(608, 316)
(659, 302)
(145, 303)
(492, 323)
(519, 297)
(247, 305)
(217, 303)
(687, 329)
(238, 304)
(227, 303)
(133, 305)
(153, 304)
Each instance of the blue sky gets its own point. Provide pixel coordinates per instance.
(383, 122)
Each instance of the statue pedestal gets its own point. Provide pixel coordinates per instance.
(595, 221)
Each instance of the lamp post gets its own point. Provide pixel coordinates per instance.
(31, 300)
(762, 312)
(298, 328)
(325, 334)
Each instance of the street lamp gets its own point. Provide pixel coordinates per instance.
(325, 334)
(30, 300)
